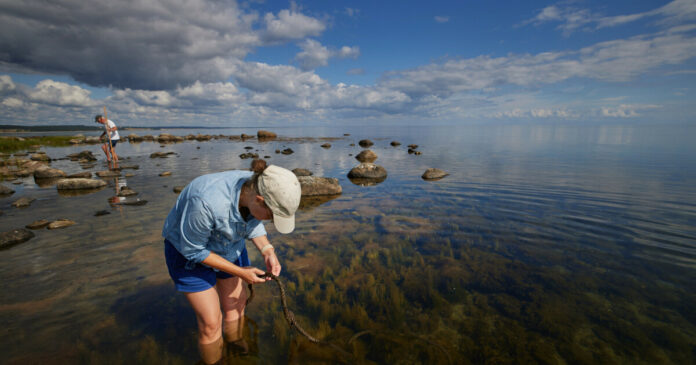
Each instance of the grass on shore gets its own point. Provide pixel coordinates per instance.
(14, 144)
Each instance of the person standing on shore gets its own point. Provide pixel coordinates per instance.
(205, 237)
(109, 150)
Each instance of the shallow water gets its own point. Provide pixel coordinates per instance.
(547, 244)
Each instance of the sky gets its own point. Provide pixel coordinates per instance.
(230, 63)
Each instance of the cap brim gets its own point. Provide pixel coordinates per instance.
(284, 224)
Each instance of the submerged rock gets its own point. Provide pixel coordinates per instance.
(80, 183)
(101, 213)
(366, 156)
(161, 154)
(4, 190)
(166, 173)
(365, 143)
(434, 174)
(23, 202)
(302, 172)
(38, 224)
(15, 237)
(244, 156)
(126, 191)
(40, 157)
(80, 175)
(84, 155)
(395, 143)
(313, 185)
(326, 145)
(109, 173)
(287, 151)
(60, 223)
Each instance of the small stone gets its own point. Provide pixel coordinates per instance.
(60, 223)
(130, 174)
(38, 224)
(126, 191)
(166, 173)
(326, 145)
(82, 175)
(413, 146)
(109, 173)
(287, 151)
(101, 213)
(395, 143)
(367, 170)
(178, 189)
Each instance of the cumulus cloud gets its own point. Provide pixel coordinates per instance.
(6, 84)
(60, 93)
(152, 45)
(289, 25)
(315, 55)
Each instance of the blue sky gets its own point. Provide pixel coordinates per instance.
(227, 63)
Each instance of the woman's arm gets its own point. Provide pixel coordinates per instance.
(248, 274)
(268, 252)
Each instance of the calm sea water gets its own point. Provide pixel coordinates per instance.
(546, 244)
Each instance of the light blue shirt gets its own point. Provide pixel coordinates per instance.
(206, 218)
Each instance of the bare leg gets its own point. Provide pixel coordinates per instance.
(105, 148)
(233, 296)
(206, 304)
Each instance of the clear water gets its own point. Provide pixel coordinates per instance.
(546, 244)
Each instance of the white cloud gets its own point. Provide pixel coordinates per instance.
(289, 25)
(572, 18)
(6, 84)
(60, 93)
(626, 110)
(315, 55)
(12, 102)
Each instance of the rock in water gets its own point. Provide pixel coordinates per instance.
(166, 173)
(395, 143)
(79, 183)
(38, 224)
(265, 135)
(23, 202)
(313, 185)
(4, 190)
(366, 156)
(368, 170)
(301, 172)
(326, 145)
(109, 173)
(178, 189)
(101, 213)
(434, 174)
(60, 223)
(47, 173)
(80, 175)
(126, 191)
(14, 237)
(365, 143)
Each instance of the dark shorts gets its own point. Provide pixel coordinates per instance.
(198, 278)
(113, 142)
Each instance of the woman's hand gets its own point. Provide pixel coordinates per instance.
(250, 275)
(272, 264)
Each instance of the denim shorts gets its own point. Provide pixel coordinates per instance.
(114, 142)
(198, 278)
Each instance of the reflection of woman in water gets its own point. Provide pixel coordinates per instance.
(205, 248)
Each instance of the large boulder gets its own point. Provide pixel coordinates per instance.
(366, 156)
(434, 174)
(80, 183)
(14, 237)
(313, 185)
(266, 135)
(92, 139)
(165, 137)
(135, 138)
(48, 173)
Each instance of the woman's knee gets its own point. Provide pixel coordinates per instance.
(210, 327)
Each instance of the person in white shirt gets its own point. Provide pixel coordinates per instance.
(113, 136)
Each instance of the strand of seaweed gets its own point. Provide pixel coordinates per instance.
(290, 316)
(292, 322)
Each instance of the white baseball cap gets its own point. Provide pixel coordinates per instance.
(281, 191)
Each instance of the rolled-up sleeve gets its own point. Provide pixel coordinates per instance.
(195, 227)
(255, 230)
